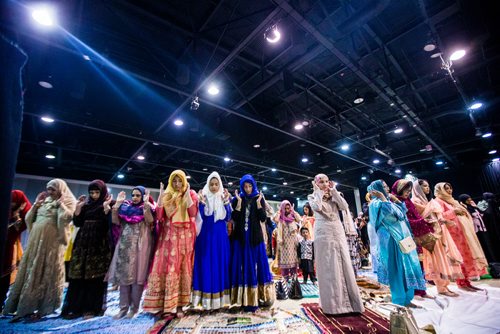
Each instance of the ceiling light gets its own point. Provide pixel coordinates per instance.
(298, 198)
(205, 169)
(495, 159)
(47, 119)
(51, 142)
(429, 47)
(44, 15)
(256, 146)
(436, 55)
(446, 167)
(178, 122)
(486, 135)
(410, 172)
(227, 159)
(492, 152)
(274, 195)
(475, 106)
(344, 147)
(50, 156)
(155, 144)
(273, 169)
(398, 130)
(291, 192)
(358, 100)
(188, 177)
(305, 123)
(391, 104)
(339, 170)
(285, 183)
(439, 162)
(45, 84)
(304, 160)
(86, 57)
(457, 55)
(272, 34)
(120, 176)
(298, 126)
(50, 167)
(376, 161)
(264, 188)
(141, 157)
(213, 89)
(363, 178)
(230, 183)
(398, 171)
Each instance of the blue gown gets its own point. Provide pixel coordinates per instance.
(211, 263)
(402, 272)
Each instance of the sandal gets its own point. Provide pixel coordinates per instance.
(449, 294)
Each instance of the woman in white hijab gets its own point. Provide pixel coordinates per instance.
(39, 284)
(211, 259)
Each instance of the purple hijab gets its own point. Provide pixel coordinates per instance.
(133, 213)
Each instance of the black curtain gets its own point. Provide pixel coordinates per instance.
(11, 106)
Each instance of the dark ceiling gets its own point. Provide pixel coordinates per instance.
(148, 59)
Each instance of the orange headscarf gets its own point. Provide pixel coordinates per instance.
(177, 202)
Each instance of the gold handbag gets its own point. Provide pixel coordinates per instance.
(403, 321)
(427, 241)
(407, 245)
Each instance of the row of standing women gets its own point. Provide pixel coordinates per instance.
(444, 247)
(193, 262)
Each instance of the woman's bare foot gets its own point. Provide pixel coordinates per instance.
(180, 313)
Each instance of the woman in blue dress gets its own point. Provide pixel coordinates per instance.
(251, 281)
(211, 257)
(397, 266)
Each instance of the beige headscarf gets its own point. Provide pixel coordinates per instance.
(64, 193)
(423, 205)
(68, 199)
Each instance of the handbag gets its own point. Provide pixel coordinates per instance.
(282, 289)
(407, 245)
(402, 320)
(427, 241)
(295, 289)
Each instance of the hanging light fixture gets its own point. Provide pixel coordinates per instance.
(358, 99)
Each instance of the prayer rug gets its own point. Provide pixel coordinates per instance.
(367, 322)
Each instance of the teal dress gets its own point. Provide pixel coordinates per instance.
(400, 271)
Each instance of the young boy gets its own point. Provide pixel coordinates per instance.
(306, 255)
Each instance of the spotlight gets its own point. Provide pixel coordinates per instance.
(178, 122)
(205, 169)
(429, 47)
(495, 160)
(44, 15)
(304, 160)
(230, 183)
(492, 152)
(227, 159)
(86, 57)
(486, 135)
(188, 177)
(398, 171)
(457, 55)
(47, 119)
(285, 183)
(141, 157)
(274, 195)
(298, 198)
(398, 130)
(195, 104)
(344, 147)
(272, 34)
(475, 106)
(50, 156)
(213, 89)
(264, 188)
(291, 192)
(120, 176)
(155, 144)
(339, 170)
(45, 84)
(256, 146)
(363, 178)
(298, 126)
(51, 142)
(273, 169)
(440, 162)
(376, 161)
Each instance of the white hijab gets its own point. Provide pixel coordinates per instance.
(214, 201)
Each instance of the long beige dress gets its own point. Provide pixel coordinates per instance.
(338, 291)
(40, 281)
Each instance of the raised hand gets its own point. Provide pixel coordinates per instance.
(201, 197)
(237, 195)
(378, 194)
(315, 186)
(259, 197)
(121, 197)
(225, 195)
(81, 201)
(107, 203)
(40, 198)
(145, 198)
(331, 184)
